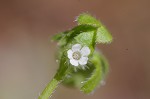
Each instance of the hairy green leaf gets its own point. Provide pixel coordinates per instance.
(103, 36)
(93, 81)
(88, 19)
(105, 65)
(76, 78)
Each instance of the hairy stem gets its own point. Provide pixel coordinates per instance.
(49, 89)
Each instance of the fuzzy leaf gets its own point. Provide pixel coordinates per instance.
(85, 38)
(75, 36)
(88, 19)
(59, 36)
(94, 80)
(103, 36)
(76, 78)
(105, 65)
(64, 68)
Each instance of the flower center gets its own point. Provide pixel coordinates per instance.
(76, 55)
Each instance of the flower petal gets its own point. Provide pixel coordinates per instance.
(83, 60)
(85, 51)
(76, 47)
(70, 52)
(74, 62)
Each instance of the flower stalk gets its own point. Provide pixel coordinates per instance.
(50, 88)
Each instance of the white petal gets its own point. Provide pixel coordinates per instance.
(74, 62)
(83, 60)
(85, 51)
(69, 52)
(76, 47)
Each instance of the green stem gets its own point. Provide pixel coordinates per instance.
(58, 78)
(50, 88)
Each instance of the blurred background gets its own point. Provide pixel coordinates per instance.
(27, 55)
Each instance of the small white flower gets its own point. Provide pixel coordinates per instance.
(77, 55)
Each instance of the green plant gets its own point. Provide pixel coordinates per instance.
(80, 65)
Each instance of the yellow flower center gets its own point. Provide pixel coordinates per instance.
(76, 55)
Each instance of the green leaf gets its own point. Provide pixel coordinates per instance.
(96, 76)
(58, 36)
(105, 65)
(88, 19)
(103, 36)
(76, 78)
(73, 36)
(64, 68)
(85, 38)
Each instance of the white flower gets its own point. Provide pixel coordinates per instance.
(77, 55)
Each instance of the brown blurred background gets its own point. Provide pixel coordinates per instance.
(27, 61)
